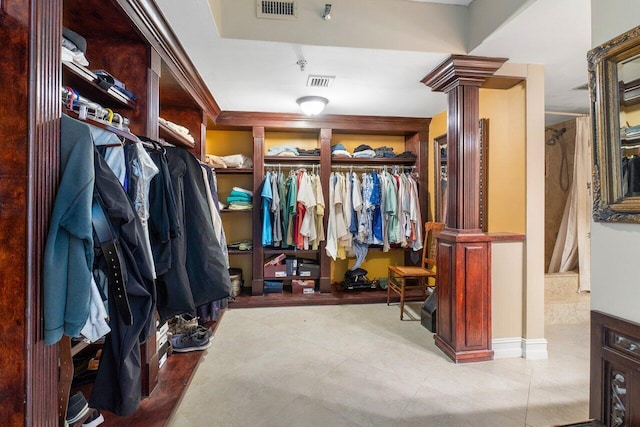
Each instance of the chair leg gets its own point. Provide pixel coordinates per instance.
(402, 299)
(388, 287)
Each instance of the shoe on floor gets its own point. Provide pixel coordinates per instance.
(77, 408)
(192, 341)
(95, 419)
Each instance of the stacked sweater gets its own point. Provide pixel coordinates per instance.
(240, 199)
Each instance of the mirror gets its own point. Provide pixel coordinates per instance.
(614, 82)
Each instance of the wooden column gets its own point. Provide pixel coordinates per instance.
(464, 251)
(257, 285)
(324, 143)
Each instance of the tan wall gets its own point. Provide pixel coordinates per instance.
(555, 194)
(507, 284)
(506, 180)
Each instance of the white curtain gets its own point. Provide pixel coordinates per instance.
(573, 245)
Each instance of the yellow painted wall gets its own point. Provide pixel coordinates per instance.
(376, 264)
(237, 225)
(505, 110)
(304, 140)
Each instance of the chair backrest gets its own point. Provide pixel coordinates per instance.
(430, 246)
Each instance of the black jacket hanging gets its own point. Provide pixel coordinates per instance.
(205, 262)
(118, 383)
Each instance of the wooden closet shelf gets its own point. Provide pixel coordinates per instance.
(233, 171)
(292, 278)
(86, 83)
(238, 252)
(174, 137)
(236, 210)
(276, 251)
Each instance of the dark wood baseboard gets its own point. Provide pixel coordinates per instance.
(337, 296)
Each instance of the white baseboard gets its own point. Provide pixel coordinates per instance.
(535, 349)
(507, 348)
(511, 348)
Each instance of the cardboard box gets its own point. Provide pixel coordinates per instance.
(275, 271)
(272, 287)
(292, 266)
(303, 286)
(308, 270)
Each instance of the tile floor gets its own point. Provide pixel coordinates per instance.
(359, 365)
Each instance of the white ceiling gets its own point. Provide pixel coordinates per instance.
(378, 50)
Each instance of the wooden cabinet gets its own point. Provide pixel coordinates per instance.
(615, 370)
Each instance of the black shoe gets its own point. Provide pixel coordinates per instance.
(77, 408)
(94, 419)
(192, 341)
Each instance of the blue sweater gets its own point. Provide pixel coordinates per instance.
(68, 253)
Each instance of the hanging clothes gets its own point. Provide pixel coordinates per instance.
(292, 210)
(206, 267)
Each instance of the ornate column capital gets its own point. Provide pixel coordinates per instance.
(462, 70)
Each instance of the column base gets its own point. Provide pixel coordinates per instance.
(464, 356)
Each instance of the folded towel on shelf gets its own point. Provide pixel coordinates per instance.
(242, 190)
(234, 199)
(340, 153)
(241, 194)
(215, 161)
(237, 161)
(364, 154)
(277, 150)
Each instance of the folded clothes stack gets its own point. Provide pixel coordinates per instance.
(339, 150)
(243, 245)
(240, 199)
(283, 151)
(363, 151)
(384, 151)
(237, 161)
(74, 47)
(177, 128)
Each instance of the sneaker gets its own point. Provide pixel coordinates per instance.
(77, 408)
(181, 323)
(95, 419)
(193, 341)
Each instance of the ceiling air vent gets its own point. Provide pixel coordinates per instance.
(320, 81)
(277, 9)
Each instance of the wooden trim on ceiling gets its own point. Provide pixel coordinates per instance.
(153, 26)
(338, 123)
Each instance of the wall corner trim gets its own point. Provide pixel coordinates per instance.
(534, 349)
(507, 348)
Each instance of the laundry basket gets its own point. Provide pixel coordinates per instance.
(235, 274)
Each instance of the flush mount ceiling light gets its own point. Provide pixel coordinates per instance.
(312, 105)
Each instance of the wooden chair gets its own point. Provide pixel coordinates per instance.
(403, 278)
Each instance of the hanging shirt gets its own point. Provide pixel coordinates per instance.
(376, 218)
(267, 197)
(307, 198)
(292, 195)
(275, 210)
(332, 239)
(319, 211)
(301, 211)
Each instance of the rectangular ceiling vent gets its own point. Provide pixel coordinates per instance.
(320, 81)
(277, 9)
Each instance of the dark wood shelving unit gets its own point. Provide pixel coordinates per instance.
(85, 82)
(414, 132)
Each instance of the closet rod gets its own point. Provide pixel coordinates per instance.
(291, 165)
(566, 113)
